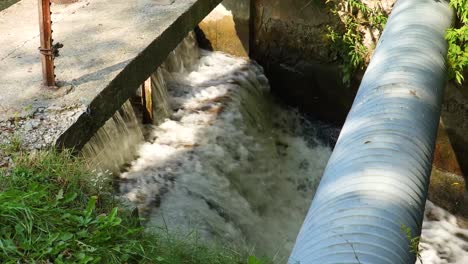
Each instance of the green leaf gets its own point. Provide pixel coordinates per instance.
(113, 214)
(19, 228)
(66, 236)
(90, 207)
(82, 234)
(253, 260)
(69, 197)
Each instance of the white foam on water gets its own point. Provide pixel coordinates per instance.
(443, 241)
(229, 162)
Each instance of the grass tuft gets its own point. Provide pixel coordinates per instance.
(54, 210)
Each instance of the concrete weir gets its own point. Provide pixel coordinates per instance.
(110, 48)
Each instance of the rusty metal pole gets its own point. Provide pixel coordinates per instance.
(46, 49)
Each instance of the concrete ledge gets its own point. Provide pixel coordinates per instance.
(124, 85)
(110, 48)
(227, 28)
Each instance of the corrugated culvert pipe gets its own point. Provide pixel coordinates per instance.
(378, 175)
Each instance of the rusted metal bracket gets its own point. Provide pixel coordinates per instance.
(46, 49)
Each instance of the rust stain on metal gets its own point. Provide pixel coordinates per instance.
(46, 48)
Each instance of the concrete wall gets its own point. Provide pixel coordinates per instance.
(447, 186)
(455, 118)
(291, 31)
(227, 28)
(287, 39)
(289, 42)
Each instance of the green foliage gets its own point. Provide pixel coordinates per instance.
(413, 241)
(457, 38)
(357, 17)
(348, 41)
(254, 260)
(52, 211)
(48, 212)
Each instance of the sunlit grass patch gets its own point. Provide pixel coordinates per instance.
(53, 210)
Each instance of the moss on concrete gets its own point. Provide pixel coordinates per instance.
(446, 190)
(447, 185)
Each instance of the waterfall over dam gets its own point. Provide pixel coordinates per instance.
(225, 159)
(229, 162)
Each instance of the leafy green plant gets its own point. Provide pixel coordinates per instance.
(46, 216)
(457, 38)
(348, 41)
(254, 260)
(413, 241)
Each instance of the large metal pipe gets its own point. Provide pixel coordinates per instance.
(378, 175)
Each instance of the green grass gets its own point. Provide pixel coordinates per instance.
(53, 210)
(413, 241)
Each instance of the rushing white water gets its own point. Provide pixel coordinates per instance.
(229, 162)
(443, 241)
(224, 159)
(116, 142)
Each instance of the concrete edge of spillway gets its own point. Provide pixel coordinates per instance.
(375, 186)
(110, 48)
(136, 71)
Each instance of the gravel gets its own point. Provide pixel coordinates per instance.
(38, 131)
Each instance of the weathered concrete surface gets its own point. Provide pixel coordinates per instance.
(227, 28)
(110, 48)
(455, 116)
(288, 30)
(290, 42)
(447, 186)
